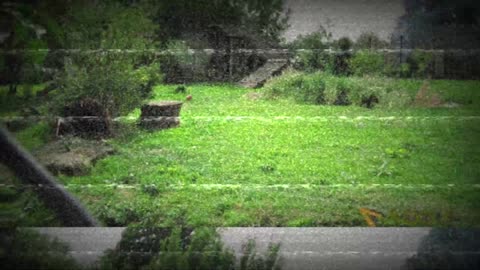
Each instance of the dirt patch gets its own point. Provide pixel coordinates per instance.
(426, 98)
(253, 96)
(72, 156)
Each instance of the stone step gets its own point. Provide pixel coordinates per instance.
(271, 68)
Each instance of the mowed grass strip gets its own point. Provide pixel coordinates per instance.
(401, 162)
(332, 152)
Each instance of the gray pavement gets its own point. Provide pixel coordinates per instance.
(320, 248)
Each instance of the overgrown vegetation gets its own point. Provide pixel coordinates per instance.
(323, 88)
(202, 248)
(364, 57)
(26, 249)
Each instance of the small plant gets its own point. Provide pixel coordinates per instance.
(181, 89)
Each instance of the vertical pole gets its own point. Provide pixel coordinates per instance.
(230, 60)
(401, 48)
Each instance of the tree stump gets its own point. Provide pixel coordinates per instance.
(160, 115)
(84, 118)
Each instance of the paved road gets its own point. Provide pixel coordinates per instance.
(321, 248)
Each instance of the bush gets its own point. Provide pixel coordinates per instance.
(367, 62)
(344, 44)
(339, 91)
(303, 88)
(420, 63)
(115, 79)
(115, 83)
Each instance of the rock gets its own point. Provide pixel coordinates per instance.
(160, 115)
(72, 156)
(451, 105)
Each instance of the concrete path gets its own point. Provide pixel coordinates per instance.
(319, 248)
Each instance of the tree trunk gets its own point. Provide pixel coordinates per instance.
(12, 90)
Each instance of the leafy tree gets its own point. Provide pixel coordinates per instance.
(21, 60)
(443, 23)
(310, 54)
(265, 17)
(370, 40)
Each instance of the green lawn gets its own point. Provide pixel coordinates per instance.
(241, 161)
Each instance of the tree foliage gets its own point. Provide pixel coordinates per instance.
(261, 16)
(21, 58)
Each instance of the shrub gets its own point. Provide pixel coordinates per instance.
(303, 88)
(367, 62)
(117, 80)
(342, 90)
(420, 63)
(344, 44)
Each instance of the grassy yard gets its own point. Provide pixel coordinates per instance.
(241, 160)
